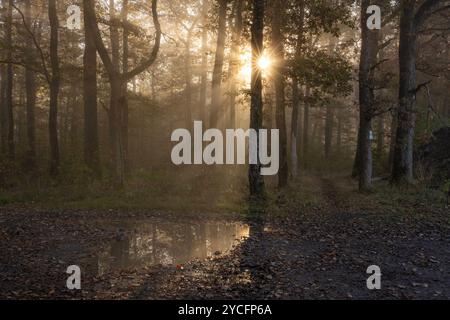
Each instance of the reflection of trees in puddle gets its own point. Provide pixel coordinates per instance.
(145, 244)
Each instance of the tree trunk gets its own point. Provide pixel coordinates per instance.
(3, 118)
(393, 131)
(402, 165)
(115, 98)
(204, 63)
(30, 88)
(54, 88)
(124, 101)
(216, 99)
(368, 57)
(188, 81)
(296, 115)
(234, 61)
(294, 126)
(91, 140)
(9, 84)
(357, 160)
(117, 81)
(256, 181)
(280, 116)
(306, 127)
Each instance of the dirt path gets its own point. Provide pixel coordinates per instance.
(313, 252)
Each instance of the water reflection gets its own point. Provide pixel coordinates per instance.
(140, 244)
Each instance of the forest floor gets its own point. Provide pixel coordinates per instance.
(314, 240)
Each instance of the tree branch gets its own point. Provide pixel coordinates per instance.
(424, 11)
(153, 55)
(36, 44)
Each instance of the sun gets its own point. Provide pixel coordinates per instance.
(264, 63)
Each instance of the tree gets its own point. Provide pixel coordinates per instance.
(279, 66)
(91, 143)
(30, 87)
(54, 88)
(367, 61)
(9, 83)
(204, 63)
(411, 20)
(117, 81)
(256, 105)
(295, 121)
(234, 60)
(216, 96)
(189, 28)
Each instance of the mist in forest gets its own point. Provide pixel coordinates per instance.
(254, 112)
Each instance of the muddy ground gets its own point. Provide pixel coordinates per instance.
(298, 251)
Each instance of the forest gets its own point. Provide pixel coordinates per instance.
(224, 149)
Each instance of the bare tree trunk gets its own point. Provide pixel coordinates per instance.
(3, 118)
(294, 126)
(4, 76)
(204, 63)
(402, 165)
(188, 81)
(91, 140)
(369, 49)
(295, 121)
(74, 120)
(9, 83)
(216, 99)
(278, 45)
(256, 181)
(306, 127)
(54, 88)
(411, 20)
(30, 88)
(115, 99)
(234, 61)
(124, 101)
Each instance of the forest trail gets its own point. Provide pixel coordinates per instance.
(302, 250)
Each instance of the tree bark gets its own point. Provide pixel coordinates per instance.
(256, 181)
(91, 140)
(3, 118)
(188, 81)
(402, 165)
(295, 121)
(368, 57)
(204, 63)
(54, 88)
(216, 99)
(410, 21)
(9, 84)
(306, 127)
(294, 126)
(30, 88)
(234, 61)
(124, 104)
(280, 116)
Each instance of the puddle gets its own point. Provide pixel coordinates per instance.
(142, 244)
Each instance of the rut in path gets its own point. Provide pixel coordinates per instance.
(334, 200)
